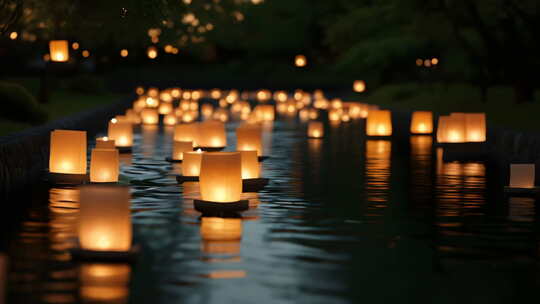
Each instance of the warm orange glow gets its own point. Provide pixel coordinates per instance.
(165, 108)
(105, 218)
(75, 46)
(59, 50)
(379, 123)
(104, 166)
(207, 110)
(422, 122)
(191, 166)
(104, 283)
(315, 129)
(86, 53)
(68, 152)
(215, 93)
(187, 132)
(264, 95)
(153, 92)
(152, 52)
(150, 116)
(179, 147)
(212, 134)
(475, 127)
(152, 102)
(169, 120)
(221, 229)
(300, 61)
(522, 175)
(419, 62)
(121, 132)
(250, 164)
(434, 61)
(334, 115)
(451, 129)
(105, 143)
(166, 97)
(221, 177)
(359, 86)
(13, 35)
(249, 137)
(124, 53)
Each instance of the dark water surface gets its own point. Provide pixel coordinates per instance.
(344, 220)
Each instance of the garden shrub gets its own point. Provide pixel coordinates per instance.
(17, 104)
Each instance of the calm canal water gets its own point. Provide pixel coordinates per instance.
(344, 220)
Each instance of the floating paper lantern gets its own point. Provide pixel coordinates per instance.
(150, 116)
(152, 52)
(59, 50)
(68, 152)
(166, 97)
(121, 132)
(151, 102)
(300, 61)
(139, 104)
(104, 283)
(215, 93)
(265, 112)
(303, 115)
(522, 176)
(153, 92)
(133, 117)
(379, 123)
(315, 129)
(334, 115)
(250, 164)
(313, 114)
(104, 166)
(451, 129)
(475, 124)
(176, 92)
(207, 110)
(359, 86)
(105, 143)
(139, 90)
(187, 132)
(422, 122)
(212, 134)
(221, 177)
(191, 165)
(264, 95)
(281, 96)
(221, 115)
(180, 147)
(165, 108)
(249, 137)
(169, 120)
(105, 218)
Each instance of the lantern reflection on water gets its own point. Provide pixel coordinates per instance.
(522, 176)
(68, 152)
(221, 177)
(221, 235)
(422, 122)
(105, 218)
(378, 153)
(379, 123)
(104, 166)
(100, 282)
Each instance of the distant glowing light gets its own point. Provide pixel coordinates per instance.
(75, 45)
(86, 53)
(13, 35)
(124, 53)
(419, 62)
(300, 61)
(152, 52)
(359, 86)
(434, 61)
(427, 63)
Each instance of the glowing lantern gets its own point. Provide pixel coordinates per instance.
(105, 143)
(221, 177)
(152, 102)
(179, 147)
(105, 218)
(313, 114)
(422, 122)
(359, 86)
(280, 96)
(104, 283)
(212, 134)
(315, 129)
(189, 116)
(522, 176)
(215, 94)
(59, 50)
(133, 117)
(475, 124)
(379, 123)
(354, 110)
(187, 132)
(175, 92)
(170, 120)
(152, 52)
(303, 115)
(300, 61)
(336, 103)
(68, 152)
(264, 95)
(139, 104)
(121, 132)
(139, 90)
(165, 96)
(104, 166)
(165, 108)
(265, 112)
(249, 137)
(153, 92)
(334, 115)
(150, 116)
(221, 115)
(250, 164)
(191, 165)
(451, 129)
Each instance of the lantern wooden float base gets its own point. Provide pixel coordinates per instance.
(464, 151)
(379, 137)
(130, 256)
(171, 160)
(207, 207)
(125, 149)
(66, 179)
(248, 185)
(315, 138)
(522, 191)
(211, 149)
(263, 158)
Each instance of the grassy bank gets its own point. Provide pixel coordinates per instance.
(442, 99)
(62, 102)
